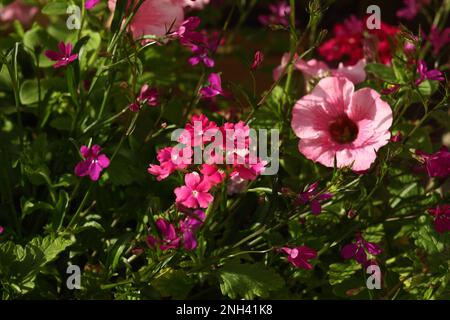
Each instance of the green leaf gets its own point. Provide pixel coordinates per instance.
(173, 283)
(426, 238)
(339, 272)
(51, 247)
(55, 8)
(116, 251)
(29, 91)
(248, 280)
(382, 72)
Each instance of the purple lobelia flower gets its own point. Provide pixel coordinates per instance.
(93, 162)
(312, 198)
(279, 14)
(359, 249)
(189, 225)
(214, 88)
(63, 57)
(169, 238)
(438, 38)
(425, 74)
(201, 54)
(147, 96)
(299, 256)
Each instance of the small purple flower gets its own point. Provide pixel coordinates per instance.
(93, 162)
(90, 4)
(63, 57)
(2, 229)
(425, 74)
(311, 196)
(410, 10)
(279, 14)
(147, 96)
(170, 239)
(187, 34)
(214, 88)
(359, 250)
(257, 60)
(201, 54)
(189, 225)
(438, 163)
(441, 218)
(299, 256)
(438, 39)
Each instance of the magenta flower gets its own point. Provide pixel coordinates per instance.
(441, 218)
(187, 34)
(195, 193)
(18, 11)
(189, 225)
(312, 198)
(212, 174)
(214, 88)
(438, 163)
(199, 131)
(425, 74)
(279, 14)
(147, 96)
(438, 39)
(2, 229)
(93, 162)
(63, 57)
(335, 122)
(299, 256)
(257, 60)
(360, 249)
(170, 239)
(410, 11)
(201, 54)
(170, 159)
(90, 4)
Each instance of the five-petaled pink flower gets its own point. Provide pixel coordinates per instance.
(441, 218)
(214, 88)
(359, 250)
(411, 9)
(335, 122)
(147, 96)
(425, 74)
(189, 225)
(313, 197)
(438, 163)
(195, 193)
(63, 57)
(300, 256)
(279, 14)
(18, 11)
(170, 159)
(90, 4)
(169, 238)
(93, 162)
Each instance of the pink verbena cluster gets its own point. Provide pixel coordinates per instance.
(207, 155)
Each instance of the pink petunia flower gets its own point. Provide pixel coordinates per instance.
(147, 96)
(63, 57)
(359, 250)
(257, 60)
(214, 88)
(300, 256)
(195, 193)
(189, 225)
(335, 122)
(318, 69)
(18, 11)
(312, 198)
(155, 17)
(441, 218)
(425, 74)
(93, 163)
(438, 39)
(90, 4)
(438, 163)
(196, 4)
(170, 239)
